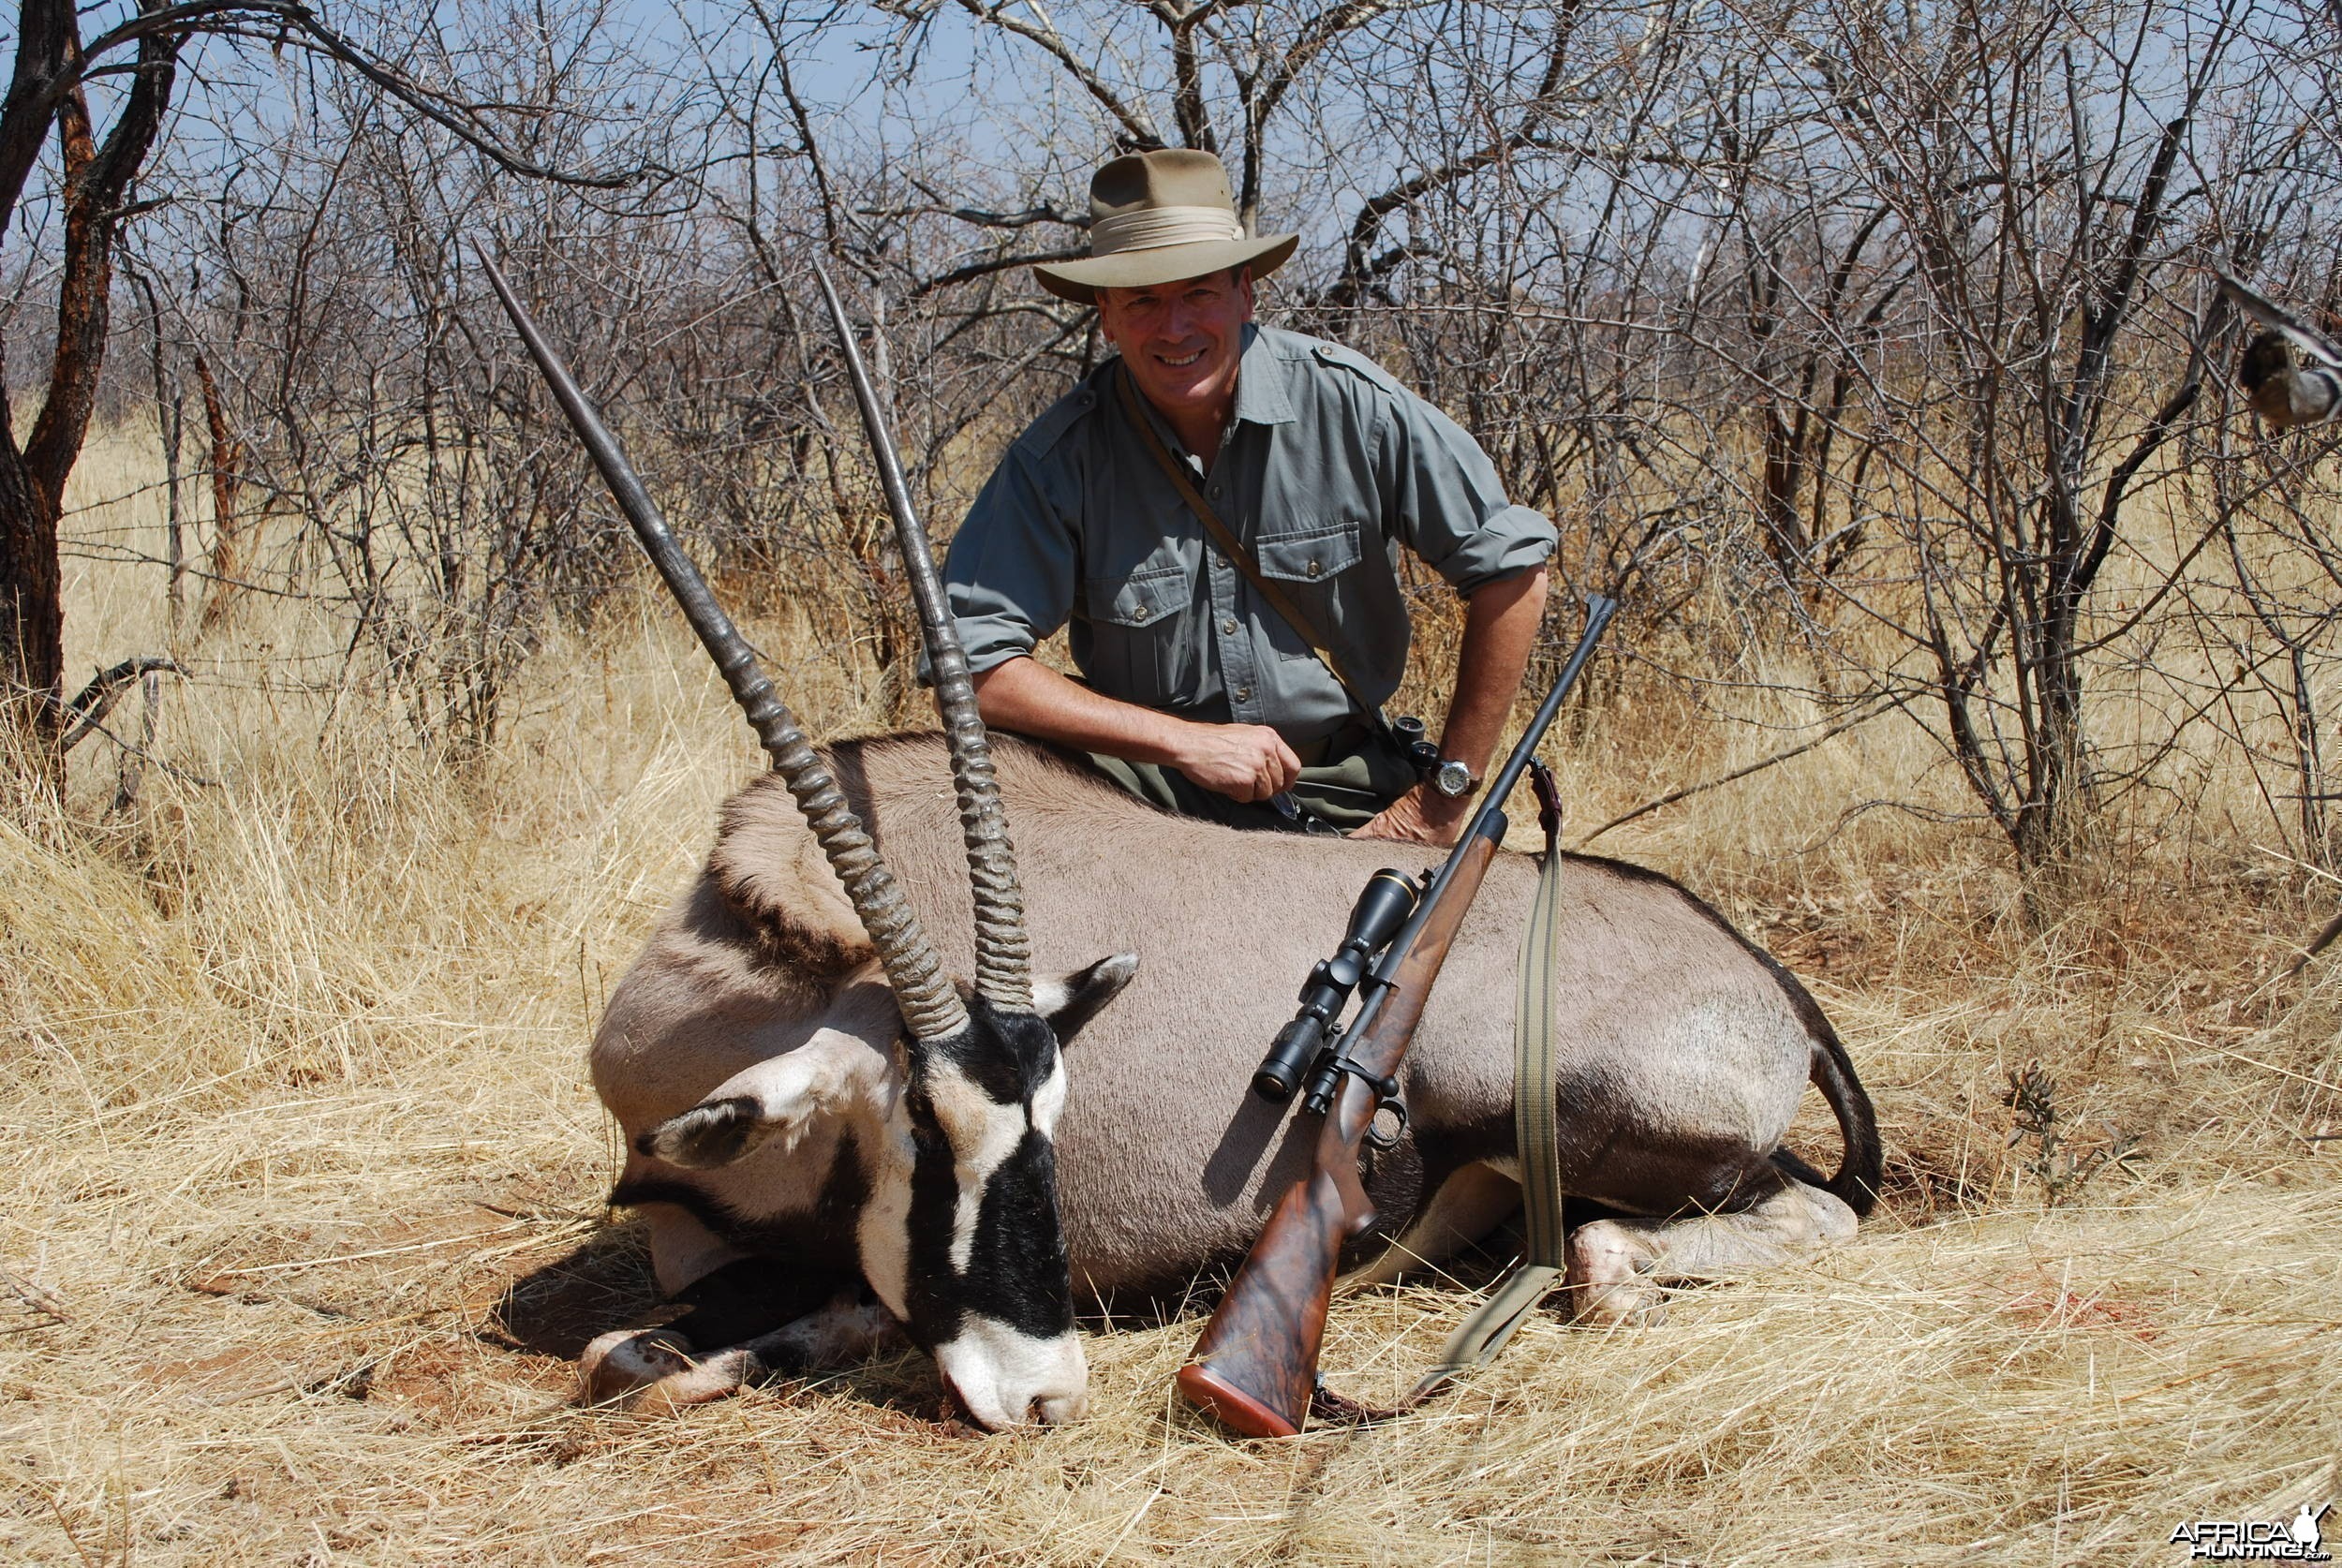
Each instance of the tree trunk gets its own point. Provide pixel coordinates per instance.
(33, 475)
(32, 618)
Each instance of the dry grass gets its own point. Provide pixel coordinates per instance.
(299, 1144)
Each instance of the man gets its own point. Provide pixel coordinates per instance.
(1246, 690)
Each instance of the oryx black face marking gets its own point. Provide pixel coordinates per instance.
(1017, 1272)
(1009, 1055)
(1013, 1269)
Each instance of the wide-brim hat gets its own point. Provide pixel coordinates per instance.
(1158, 217)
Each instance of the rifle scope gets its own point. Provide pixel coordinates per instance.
(1381, 910)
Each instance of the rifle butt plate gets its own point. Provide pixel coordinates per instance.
(1208, 1392)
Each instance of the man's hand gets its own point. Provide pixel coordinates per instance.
(1243, 761)
(1501, 622)
(1421, 815)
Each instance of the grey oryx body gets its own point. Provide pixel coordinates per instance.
(1684, 1049)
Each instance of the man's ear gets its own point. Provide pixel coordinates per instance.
(1072, 1001)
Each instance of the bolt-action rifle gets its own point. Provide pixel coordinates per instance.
(1256, 1365)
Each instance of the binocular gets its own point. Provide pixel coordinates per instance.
(1417, 743)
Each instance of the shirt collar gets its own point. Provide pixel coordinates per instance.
(1260, 382)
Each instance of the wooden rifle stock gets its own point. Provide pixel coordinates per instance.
(1256, 1366)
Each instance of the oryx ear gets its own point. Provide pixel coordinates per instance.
(1072, 1001)
(777, 1098)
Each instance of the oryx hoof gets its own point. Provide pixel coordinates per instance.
(652, 1371)
(1605, 1285)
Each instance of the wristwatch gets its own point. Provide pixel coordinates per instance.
(1453, 779)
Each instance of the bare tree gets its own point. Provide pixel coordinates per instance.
(59, 74)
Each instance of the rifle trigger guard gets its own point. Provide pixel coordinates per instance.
(1386, 1098)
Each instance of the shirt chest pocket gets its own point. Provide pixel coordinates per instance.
(1140, 642)
(1310, 554)
(1146, 598)
(1315, 567)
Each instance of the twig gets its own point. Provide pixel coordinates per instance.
(1737, 773)
(90, 706)
(65, 1525)
(46, 1302)
(2318, 944)
(183, 774)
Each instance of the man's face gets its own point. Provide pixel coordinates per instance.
(1182, 341)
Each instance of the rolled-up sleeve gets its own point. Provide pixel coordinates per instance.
(1011, 571)
(1449, 505)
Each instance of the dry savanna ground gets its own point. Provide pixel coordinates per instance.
(301, 1182)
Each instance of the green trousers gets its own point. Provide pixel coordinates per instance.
(1346, 791)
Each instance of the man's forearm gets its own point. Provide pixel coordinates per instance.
(1027, 696)
(1499, 627)
(1243, 761)
(1500, 624)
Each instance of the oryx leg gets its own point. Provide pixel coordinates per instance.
(656, 1368)
(1616, 1266)
(1469, 1205)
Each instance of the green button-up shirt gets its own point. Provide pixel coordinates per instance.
(1326, 467)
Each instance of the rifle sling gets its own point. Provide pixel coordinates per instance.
(1537, 1133)
(1232, 548)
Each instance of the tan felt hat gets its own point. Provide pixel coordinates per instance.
(1158, 217)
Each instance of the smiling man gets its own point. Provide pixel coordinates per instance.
(1217, 513)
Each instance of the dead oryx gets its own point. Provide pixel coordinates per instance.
(829, 1153)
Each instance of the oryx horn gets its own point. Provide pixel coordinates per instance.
(1003, 947)
(930, 1006)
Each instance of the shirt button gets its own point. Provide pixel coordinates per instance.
(1215, 490)
(1243, 693)
(1313, 569)
(1228, 626)
(1139, 613)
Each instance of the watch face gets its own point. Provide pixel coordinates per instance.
(1453, 779)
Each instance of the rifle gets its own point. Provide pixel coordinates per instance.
(1254, 1367)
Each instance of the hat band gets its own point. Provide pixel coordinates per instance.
(1153, 228)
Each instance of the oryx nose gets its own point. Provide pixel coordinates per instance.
(1006, 1379)
(1058, 1411)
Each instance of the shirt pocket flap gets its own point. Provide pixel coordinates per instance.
(1143, 599)
(1311, 554)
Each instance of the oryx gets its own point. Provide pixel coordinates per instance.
(832, 1145)
(750, 1055)
(928, 1112)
